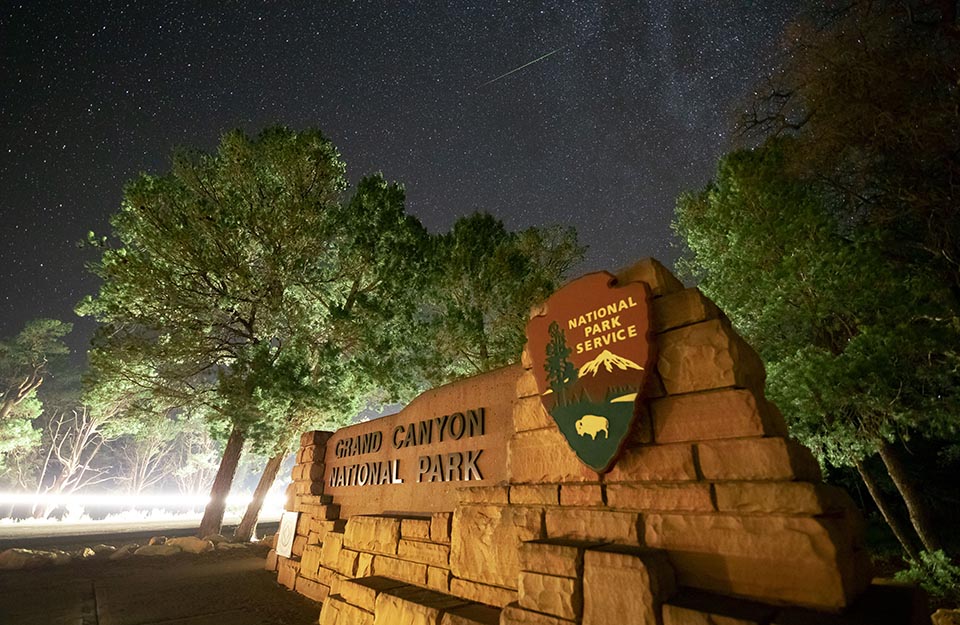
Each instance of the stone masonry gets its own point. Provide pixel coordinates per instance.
(711, 515)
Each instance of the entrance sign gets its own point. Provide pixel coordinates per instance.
(591, 351)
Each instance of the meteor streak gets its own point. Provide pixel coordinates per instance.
(517, 69)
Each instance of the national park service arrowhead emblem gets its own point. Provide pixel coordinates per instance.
(592, 350)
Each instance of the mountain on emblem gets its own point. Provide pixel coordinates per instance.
(591, 347)
(609, 362)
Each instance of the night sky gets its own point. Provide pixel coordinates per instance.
(633, 107)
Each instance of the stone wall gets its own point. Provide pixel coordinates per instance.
(712, 514)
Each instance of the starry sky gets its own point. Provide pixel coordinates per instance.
(632, 108)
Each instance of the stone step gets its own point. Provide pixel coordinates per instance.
(394, 601)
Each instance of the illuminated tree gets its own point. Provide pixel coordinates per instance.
(240, 286)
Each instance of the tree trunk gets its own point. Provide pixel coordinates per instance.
(889, 515)
(213, 513)
(919, 517)
(248, 524)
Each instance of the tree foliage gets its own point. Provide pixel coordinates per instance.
(24, 362)
(485, 281)
(857, 350)
(241, 286)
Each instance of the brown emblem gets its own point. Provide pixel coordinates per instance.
(592, 348)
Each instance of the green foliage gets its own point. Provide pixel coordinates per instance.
(858, 349)
(240, 286)
(24, 361)
(484, 283)
(935, 573)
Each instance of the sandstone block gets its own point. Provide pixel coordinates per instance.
(557, 596)
(416, 529)
(347, 563)
(581, 495)
(535, 494)
(331, 578)
(472, 614)
(683, 496)
(482, 593)
(311, 453)
(322, 528)
(303, 524)
(595, 525)
(311, 589)
(527, 385)
(287, 570)
(299, 544)
(336, 611)
(555, 556)
(709, 415)
(409, 605)
(745, 555)
(310, 471)
(440, 527)
(308, 488)
(544, 456)
(438, 578)
(651, 271)
(404, 570)
(372, 533)
(780, 498)
(316, 437)
(330, 610)
(803, 582)
(310, 561)
(609, 570)
(767, 537)
(529, 414)
(654, 463)
(757, 459)
(365, 564)
(484, 494)
(705, 356)
(682, 308)
(314, 500)
(270, 563)
(330, 550)
(486, 541)
(424, 552)
(363, 592)
(322, 515)
(513, 614)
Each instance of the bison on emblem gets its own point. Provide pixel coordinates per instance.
(593, 424)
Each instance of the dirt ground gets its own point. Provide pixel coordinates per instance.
(216, 588)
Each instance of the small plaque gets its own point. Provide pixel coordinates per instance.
(591, 350)
(286, 533)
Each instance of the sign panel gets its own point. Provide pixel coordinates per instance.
(413, 462)
(286, 533)
(591, 349)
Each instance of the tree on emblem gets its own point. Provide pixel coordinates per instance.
(560, 371)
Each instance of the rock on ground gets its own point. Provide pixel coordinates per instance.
(25, 558)
(191, 544)
(157, 550)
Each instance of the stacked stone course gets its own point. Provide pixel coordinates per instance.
(710, 500)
